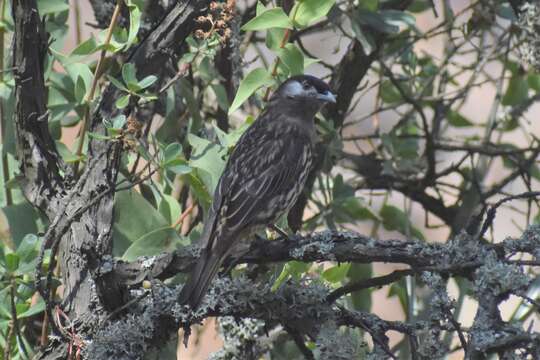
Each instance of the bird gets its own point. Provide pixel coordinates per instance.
(262, 179)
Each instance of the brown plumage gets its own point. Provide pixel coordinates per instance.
(263, 178)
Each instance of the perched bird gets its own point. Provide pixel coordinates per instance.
(263, 177)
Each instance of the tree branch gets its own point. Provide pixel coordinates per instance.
(40, 163)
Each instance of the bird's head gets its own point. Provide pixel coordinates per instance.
(305, 90)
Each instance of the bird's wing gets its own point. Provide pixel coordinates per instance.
(265, 164)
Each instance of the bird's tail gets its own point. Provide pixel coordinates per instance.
(200, 279)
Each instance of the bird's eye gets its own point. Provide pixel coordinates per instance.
(305, 86)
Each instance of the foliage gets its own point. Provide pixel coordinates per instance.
(424, 153)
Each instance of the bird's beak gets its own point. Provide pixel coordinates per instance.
(327, 97)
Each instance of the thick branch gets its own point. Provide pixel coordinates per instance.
(450, 258)
(301, 307)
(87, 245)
(36, 150)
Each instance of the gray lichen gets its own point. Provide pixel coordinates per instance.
(322, 244)
(529, 23)
(496, 278)
(334, 344)
(241, 339)
(302, 306)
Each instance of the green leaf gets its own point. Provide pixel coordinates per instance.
(399, 289)
(506, 12)
(28, 248)
(389, 93)
(336, 273)
(37, 308)
(86, 47)
(123, 101)
(153, 243)
(374, 20)
(80, 90)
(206, 158)
(221, 96)
(419, 6)
(169, 208)
(293, 269)
(178, 166)
(533, 80)
(229, 140)
(117, 83)
(52, 6)
(66, 154)
(517, 91)
(371, 5)
(251, 83)
(260, 8)
(7, 98)
(199, 190)
(21, 219)
(132, 224)
(147, 81)
(361, 300)
(396, 220)
(293, 58)
(134, 23)
(274, 37)
(207, 70)
(186, 89)
(351, 209)
(78, 71)
(364, 37)
(129, 75)
(12, 262)
(119, 121)
(456, 119)
(97, 136)
(268, 19)
(309, 11)
(171, 152)
(345, 206)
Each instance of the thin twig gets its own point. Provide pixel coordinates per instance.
(7, 350)
(457, 327)
(183, 216)
(181, 73)
(125, 306)
(491, 213)
(44, 330)
(97, 75)
(368, 283)
(15, 320)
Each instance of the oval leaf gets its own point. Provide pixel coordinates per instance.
(147, 81)
(309, 11)
(253, 81)
(272, 18)
(293, 58)
(153, 243)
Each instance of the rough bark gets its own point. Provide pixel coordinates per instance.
(113, 316)
(309, 308)
(80, 210)
(39, 161)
